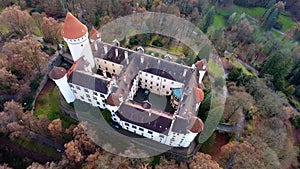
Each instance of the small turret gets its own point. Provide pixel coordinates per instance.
(59, 76)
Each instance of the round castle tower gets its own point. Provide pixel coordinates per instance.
(59, 76)
(76, 35)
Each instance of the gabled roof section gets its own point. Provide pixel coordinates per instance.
(94, 34)
(89, 81)
(73, 28)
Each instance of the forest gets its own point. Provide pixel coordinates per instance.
(257, 42)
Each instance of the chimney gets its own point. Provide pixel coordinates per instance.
(104, 73)
(184, 72)
(193, 66)
(117, 52)
(105, 49)
(142, 59)
(140, 49)
(96, 46)
(126, 57)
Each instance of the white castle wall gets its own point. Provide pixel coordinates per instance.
(92, 97)
(134, 88)
(111, 67)
(65, 89)
(157, 84)
(81, 47)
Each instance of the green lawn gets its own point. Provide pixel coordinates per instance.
(287, 22)
(215, 69)
(4, 28)
(47, 104)
(37, 32)
(225, 12)
(176, 50)
(256, 12)
(219, 22)
(244, 69)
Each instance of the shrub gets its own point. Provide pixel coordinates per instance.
(157, 43)
(278, 25)
(39, 10)
(296, 121)
(34, 85)
(133, 41)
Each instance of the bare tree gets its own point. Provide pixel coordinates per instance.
(18, 21)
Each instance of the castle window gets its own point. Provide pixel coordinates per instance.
(133, 126)
(74, 91)
(89, 100)
(157, 78)
(114, 70)
(95, 93)
(165, 80)
(77, 87)
(126, 124)
(86, 90)
(163, 86)
(146, 81)
(150, 132)
(113, 64)
(151, 82)
(88, 96)
(82, 97)
(95, 98)
(167, 92)
(98, 103)
(141, 129)
(101, 95)
(161, 136)
(172, 82)
(157, 84)
(71, 85)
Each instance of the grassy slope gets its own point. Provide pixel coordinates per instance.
(47, 104)
(256, 12)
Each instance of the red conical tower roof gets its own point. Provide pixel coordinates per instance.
(73, 28)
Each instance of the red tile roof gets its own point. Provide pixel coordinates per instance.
(200, 64)
(199, 94)
(94, 34)
(113, 99)
(73, 28)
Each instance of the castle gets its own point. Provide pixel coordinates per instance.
(149, 96)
